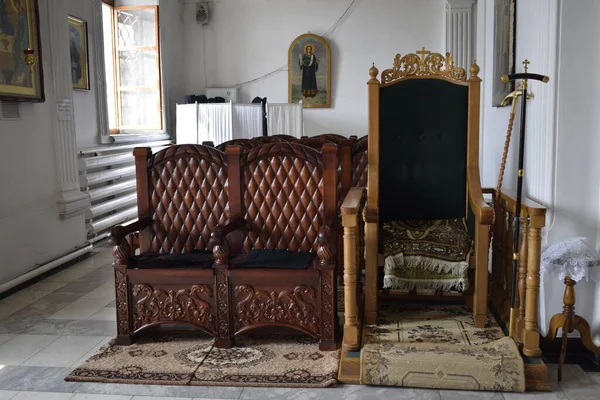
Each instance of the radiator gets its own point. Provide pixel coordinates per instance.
(107, 175)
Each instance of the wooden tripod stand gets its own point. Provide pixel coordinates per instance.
(570, 322)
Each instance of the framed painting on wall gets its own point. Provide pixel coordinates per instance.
(309, 71)
(504, 48)
(21, 76)
(78, 43)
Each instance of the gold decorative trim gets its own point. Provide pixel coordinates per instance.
(423, 63)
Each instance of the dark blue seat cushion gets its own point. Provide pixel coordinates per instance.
(273, 258)
(151, 260)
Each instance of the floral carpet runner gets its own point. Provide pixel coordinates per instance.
(190, 359)
(439, 347)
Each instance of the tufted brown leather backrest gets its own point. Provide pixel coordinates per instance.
(360, 162)
(331, 137)
(284, 197)
(245, 144)
(187, 198)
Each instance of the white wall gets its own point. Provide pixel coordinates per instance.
(246, 39)
(577, 179)
(563, 130)
(31, 231)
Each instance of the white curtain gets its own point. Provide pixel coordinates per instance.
(284, 118)
(247, 121)
(187, 124)
(214, 122)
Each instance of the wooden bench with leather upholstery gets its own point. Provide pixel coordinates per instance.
(182, 196)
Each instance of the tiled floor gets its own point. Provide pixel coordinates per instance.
(54, 325)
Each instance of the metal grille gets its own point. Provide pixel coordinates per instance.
(107, 175)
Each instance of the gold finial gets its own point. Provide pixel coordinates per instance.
(373, 71)
(526, 64)
(423, 53)
(474, 68)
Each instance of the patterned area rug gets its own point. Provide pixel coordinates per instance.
(189, 359)
(437, 346)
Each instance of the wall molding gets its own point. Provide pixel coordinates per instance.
(71, 201)
(100, 76)
(461, 31)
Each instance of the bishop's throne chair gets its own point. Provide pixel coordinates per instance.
(426, 225)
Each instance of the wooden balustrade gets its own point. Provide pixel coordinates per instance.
(528, 285)
(352, 223)
(533, 215)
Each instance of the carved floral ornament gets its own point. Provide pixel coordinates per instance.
(423, 63)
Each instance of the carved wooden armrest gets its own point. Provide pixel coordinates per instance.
(484, 214)
(353, 200)
(117, 238)
(325, 249)
(217, 239)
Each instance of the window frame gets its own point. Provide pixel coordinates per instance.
(117, 88)
(113, 88)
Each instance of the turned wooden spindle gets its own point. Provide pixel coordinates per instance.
(350, 280)
(521, 285)
(530, 335)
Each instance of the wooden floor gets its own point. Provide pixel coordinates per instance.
(349, 367)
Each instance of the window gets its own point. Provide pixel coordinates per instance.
(132, 61)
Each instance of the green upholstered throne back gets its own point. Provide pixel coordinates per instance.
(423, 150)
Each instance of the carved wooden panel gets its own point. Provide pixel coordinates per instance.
(121, 303)
(327, 302)
(191, 304)
(297, 307)
(222, 284)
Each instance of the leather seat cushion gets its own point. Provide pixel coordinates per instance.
(274, 258)
(194, 259)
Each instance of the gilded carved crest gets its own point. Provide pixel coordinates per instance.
(423, 63)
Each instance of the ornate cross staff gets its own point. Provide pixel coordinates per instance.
(525, 76)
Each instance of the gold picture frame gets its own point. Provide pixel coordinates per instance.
(78, 43)
(21, 76)
(309, 72)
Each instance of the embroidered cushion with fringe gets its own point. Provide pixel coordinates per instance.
(422, 254)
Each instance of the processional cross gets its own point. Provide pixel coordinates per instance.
(423, 53)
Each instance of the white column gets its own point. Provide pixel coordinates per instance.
(98, 48)
(71, 201)
(460, 31)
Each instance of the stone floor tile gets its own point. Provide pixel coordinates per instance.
(105, 314)
(74, 327)
(36, 379)
(143, 390)
(8, 394)
(43, 395)
(22, 347)
(64, 351)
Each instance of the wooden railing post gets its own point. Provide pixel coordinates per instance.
(351, 330)
(530, 335)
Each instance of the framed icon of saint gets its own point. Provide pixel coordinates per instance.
(309, 72)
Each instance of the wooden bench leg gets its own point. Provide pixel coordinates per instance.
(224, 334)
(123, 302)
(328, 309)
